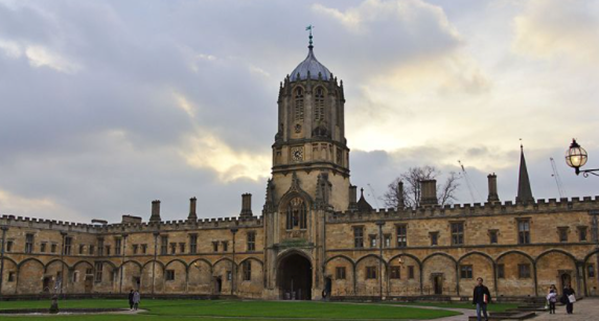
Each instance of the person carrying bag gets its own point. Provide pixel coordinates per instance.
(568, 299)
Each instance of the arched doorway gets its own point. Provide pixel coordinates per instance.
(295, 277)
(438, 284)
(565, 280)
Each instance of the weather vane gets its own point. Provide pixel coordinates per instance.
(310, 27)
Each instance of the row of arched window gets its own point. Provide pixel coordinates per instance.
(319, 104)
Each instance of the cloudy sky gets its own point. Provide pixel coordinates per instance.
(107, 105)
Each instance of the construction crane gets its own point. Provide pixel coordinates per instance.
(558, 180)
(471, 187)
(376, 202)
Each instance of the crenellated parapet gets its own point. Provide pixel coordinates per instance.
(177, 225)
(207, 223)
(540, 206)
(40, 223)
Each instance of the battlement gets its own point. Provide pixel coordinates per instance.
(586, 203)
(20, 221)
(206, 223)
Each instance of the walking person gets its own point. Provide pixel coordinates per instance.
(552, 298)
(136, 300)
(569, 298)
(131, 299)
(481, 297)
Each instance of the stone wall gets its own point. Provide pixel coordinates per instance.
(424, 269)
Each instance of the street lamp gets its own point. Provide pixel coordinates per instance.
(576, 157)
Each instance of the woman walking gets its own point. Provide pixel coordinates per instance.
(136, 300)
(552, 298)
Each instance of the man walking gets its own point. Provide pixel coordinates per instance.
(131, 300)
(481, 297)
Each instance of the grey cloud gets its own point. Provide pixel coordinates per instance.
(104, 141)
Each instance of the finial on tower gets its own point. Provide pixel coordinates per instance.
(521, 146)
(310, 27)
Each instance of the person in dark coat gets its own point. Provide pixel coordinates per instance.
(481, 297)
(131, 300)
(568, 291)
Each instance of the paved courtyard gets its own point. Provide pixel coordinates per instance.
(587, 309)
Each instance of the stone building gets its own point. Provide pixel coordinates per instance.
(314, 235)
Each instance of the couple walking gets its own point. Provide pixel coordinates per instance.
(134, 299)
(568, 298)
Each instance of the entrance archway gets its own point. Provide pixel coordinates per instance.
(438, 284)
(295, 277)
(565, 280)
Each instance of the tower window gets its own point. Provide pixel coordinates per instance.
(319, 105)
(29, 243)
(358, 237)
(247, 270)
(402, 235)
(500, 271)
(67, 245)
(296, 214)
(193, 243)
(395, 273)
(299, 104)
(524, 271)
(582, 233)
(493, 236)
(466, 271)
(251, 241)
(457, 233)
(117, 246)
(524, 231)
(164, 245)
(563, 234)
(170, 275)
(370, 272)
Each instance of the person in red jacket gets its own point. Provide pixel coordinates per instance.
(481, 297)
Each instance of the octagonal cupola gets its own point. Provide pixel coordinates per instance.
(310, 68)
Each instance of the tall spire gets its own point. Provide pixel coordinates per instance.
(524, 190)
(310, 27)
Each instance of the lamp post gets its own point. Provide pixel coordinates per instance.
(576, 157)
(380, 225)
(62, 254)
(4, 229)
(233, 264)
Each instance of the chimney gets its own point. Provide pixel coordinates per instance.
(155, 212)
(428, 192)
(400, 201)
(131, 219)
(493, 196)
(246, 205)
(353, 197)
(192, 209)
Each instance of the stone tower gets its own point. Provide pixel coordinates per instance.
(310, 141)
(310, 176)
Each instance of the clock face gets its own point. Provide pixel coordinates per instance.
(297, 154)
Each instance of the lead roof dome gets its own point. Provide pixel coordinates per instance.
(312, 65)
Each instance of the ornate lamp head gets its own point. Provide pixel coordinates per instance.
(576, 156)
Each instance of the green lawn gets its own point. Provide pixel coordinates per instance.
(493, 307)
(204, 310)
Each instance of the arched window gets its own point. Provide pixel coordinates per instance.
(319, 105)
(299, 104)
(296, 214)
